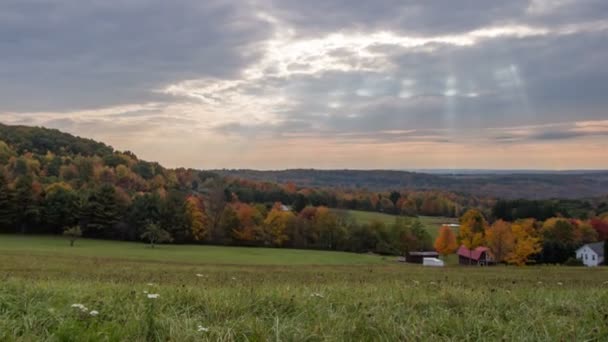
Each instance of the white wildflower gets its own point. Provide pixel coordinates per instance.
(560, 283)
(150, 284)
(153, 295)
(80, 307)
(318, 295)
(201, 328)
(145, 292)
(199, 275)
(94, 313)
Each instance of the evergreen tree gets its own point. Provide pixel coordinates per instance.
(300, 203)
(101, 212)
(60, 209)
(27, 212)
(6, 205)
(172, 218)
(144, 209)
(394, 197)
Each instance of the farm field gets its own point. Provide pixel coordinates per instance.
(288, 299)
(432, 223)
(193, 254)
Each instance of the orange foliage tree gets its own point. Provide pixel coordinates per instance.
(249, 221)
(445, 243)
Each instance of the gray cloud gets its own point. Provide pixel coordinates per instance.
(340, 70)
(428, 17)
(70, 54)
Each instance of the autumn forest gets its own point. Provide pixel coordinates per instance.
(55, 183)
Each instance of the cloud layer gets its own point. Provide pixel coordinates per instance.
(279, 84)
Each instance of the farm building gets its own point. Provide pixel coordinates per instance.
(417, 257)
(591, 254)
(479, 256)
(434, 262)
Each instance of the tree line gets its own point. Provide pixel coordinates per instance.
(52, 182)
(217, 218)
(524, 240)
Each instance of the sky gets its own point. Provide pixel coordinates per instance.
(275, 84)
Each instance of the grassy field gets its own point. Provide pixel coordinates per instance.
(175, 253)
(431, 223)
(201, 299)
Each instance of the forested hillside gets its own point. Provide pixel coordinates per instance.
(537, 185)
(54, 183)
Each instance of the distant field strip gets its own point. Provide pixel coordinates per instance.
(198, 254)
(431, 223)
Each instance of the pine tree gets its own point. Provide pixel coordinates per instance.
(60, 209)
(100, 212)
(27, 210)
(6, 205)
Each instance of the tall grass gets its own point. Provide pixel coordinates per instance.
(294, 303)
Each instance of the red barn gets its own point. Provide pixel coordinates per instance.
(479, 256)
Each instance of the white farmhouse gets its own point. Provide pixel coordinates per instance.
(591, 254)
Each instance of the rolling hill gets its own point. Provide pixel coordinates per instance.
(531, 185)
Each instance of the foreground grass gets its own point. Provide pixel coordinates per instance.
(48, 245)
(385, 302)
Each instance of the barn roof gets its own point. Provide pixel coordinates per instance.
(463, 251)
(427, 253)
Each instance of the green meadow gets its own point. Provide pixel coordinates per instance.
(243, 294)
(194, 254)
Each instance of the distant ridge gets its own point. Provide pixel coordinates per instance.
(509, 184)
(500, 184)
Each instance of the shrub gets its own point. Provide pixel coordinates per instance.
(573, 262)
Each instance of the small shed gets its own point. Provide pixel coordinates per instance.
(479, 256)
(432, 262)
(417, 257)
(591, 254)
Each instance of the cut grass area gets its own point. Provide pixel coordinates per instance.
(382, 302)
(198, 254)
(431, 223)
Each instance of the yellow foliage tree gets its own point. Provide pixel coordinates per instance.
(500, 240)
(446, 241)
(472, 228)
(526, 243)
(275, 225)
(195, 217)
